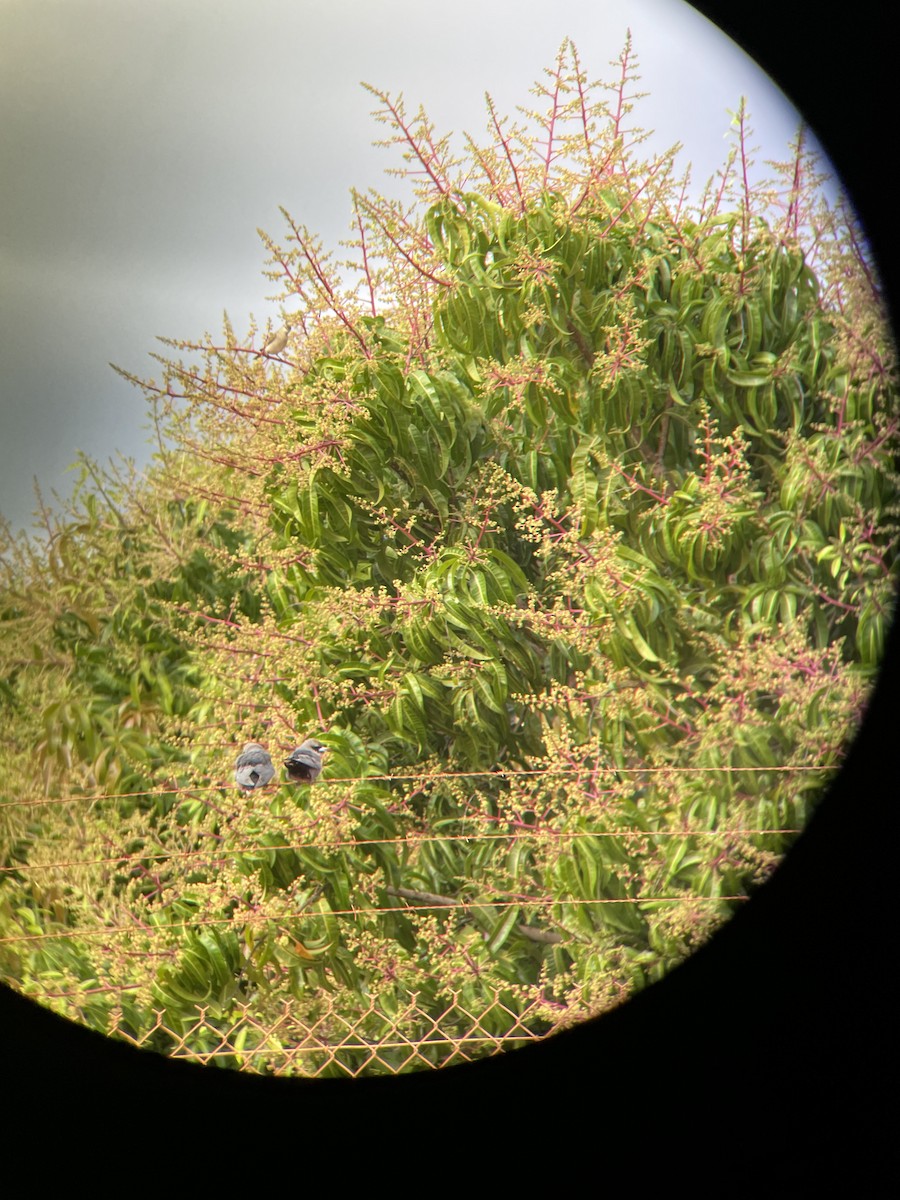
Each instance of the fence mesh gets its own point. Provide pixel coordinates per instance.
(332, 1040)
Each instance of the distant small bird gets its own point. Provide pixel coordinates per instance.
(253, 768)
(305, 763)
(277, 341)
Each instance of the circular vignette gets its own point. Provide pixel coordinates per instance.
(861, 742)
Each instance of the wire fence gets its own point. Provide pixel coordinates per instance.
(332, 1040)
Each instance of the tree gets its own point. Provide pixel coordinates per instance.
(569, 526)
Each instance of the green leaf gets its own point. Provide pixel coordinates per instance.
(504, 926)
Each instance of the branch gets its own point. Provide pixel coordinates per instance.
(504, 142)
(365, 256)
(545, 936)
(428, 160)
(552, 118)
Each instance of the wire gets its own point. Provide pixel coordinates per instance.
(161, 856)
(427, 776)
(254, 919)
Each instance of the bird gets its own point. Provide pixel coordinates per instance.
(253, 768)
(305, 763)
(277, 341)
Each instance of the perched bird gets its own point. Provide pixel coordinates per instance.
(305, 763)
(253, 768)
(277, 341)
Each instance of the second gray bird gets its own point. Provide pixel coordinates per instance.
(305, 763)
(253, 768)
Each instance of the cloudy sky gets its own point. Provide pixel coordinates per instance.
(142, 145)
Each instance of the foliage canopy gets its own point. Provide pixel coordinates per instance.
(566, 519)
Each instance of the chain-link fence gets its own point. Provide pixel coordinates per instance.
(331, 1041)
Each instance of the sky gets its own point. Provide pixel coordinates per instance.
(143, 144)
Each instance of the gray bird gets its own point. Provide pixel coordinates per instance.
(305, 763)
(277, 341)
(253, 768)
